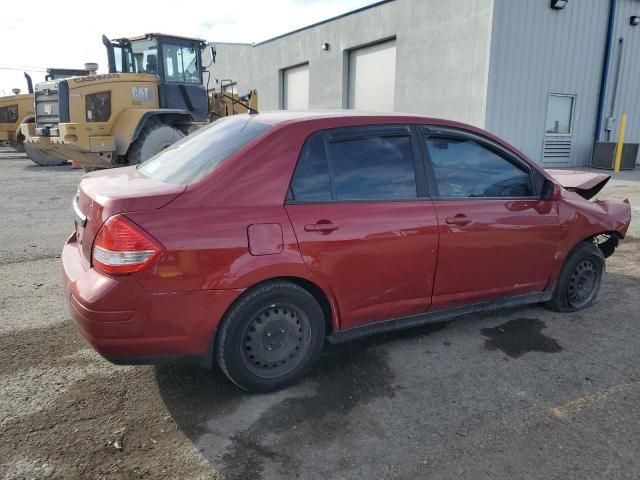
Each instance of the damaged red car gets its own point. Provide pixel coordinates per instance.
(252, 241)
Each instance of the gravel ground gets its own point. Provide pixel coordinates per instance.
(525, 393)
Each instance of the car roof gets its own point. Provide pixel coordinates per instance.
(292, 116)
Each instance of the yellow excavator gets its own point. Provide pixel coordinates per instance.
(152, 96)
(18, 108)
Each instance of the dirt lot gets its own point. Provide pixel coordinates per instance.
(525, 393)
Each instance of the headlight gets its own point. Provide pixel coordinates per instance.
(9, 114)
(98, 107)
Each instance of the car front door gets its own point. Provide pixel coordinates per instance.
(497, 238)
(363, 221)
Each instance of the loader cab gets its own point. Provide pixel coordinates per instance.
(175, 61)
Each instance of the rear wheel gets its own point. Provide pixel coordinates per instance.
(153, 139)
(19, 143)
(270, 337)
(44, 159)
(580, 279)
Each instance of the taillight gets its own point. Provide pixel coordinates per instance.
(122, 247)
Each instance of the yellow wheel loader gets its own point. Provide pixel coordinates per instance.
(18, 108)
(152, 96)
(13, 109)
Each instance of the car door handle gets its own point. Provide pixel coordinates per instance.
(323, 227)
(459, 220)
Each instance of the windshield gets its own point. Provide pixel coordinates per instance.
(181, 64)
(202, 152)
(143, 56)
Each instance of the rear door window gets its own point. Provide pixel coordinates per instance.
(375, 167)
(200, 153)
(311, 181)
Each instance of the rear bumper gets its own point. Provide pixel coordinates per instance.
(128, 325)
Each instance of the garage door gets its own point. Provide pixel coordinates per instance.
(295, 83)
(372, 77)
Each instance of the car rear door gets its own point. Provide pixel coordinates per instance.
(497, 238)
(363, 221)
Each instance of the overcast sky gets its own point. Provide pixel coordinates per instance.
(39, 34)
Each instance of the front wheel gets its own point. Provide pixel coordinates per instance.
(580, 279)
(270, 337)
(152, 140)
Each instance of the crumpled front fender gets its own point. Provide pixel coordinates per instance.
(581, 219)
(585, 218)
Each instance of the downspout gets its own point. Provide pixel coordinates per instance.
(616, 83)
(605, 70)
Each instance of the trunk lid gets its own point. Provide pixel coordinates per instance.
(109, 192)
(585, 184)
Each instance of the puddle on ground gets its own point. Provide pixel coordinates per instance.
(519, 336)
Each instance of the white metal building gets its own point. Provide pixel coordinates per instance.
(549, 76)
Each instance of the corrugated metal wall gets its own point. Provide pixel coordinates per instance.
(628, 93)
(536, 51)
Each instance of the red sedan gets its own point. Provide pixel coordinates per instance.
(254, 239)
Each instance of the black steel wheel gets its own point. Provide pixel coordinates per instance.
(582, 283)
(270, 337)
(580, 279)
(275, 340)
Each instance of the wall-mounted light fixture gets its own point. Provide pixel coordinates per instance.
(634, 20)
(325, 46)
(559, 4)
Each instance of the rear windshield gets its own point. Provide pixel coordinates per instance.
(200, 153)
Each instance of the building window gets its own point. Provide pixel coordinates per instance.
(559, 114)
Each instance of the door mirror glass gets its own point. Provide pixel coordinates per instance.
(549, 191)
(213, 53)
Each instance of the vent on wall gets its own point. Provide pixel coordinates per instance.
(557, 150)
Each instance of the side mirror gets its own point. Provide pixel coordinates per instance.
(550, 191)
(213, 53)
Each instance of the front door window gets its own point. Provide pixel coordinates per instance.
(465, 169)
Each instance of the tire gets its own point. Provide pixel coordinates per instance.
(271, 337)
(153, 139)
(19, 143)
(42, 158)
(580, 279)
